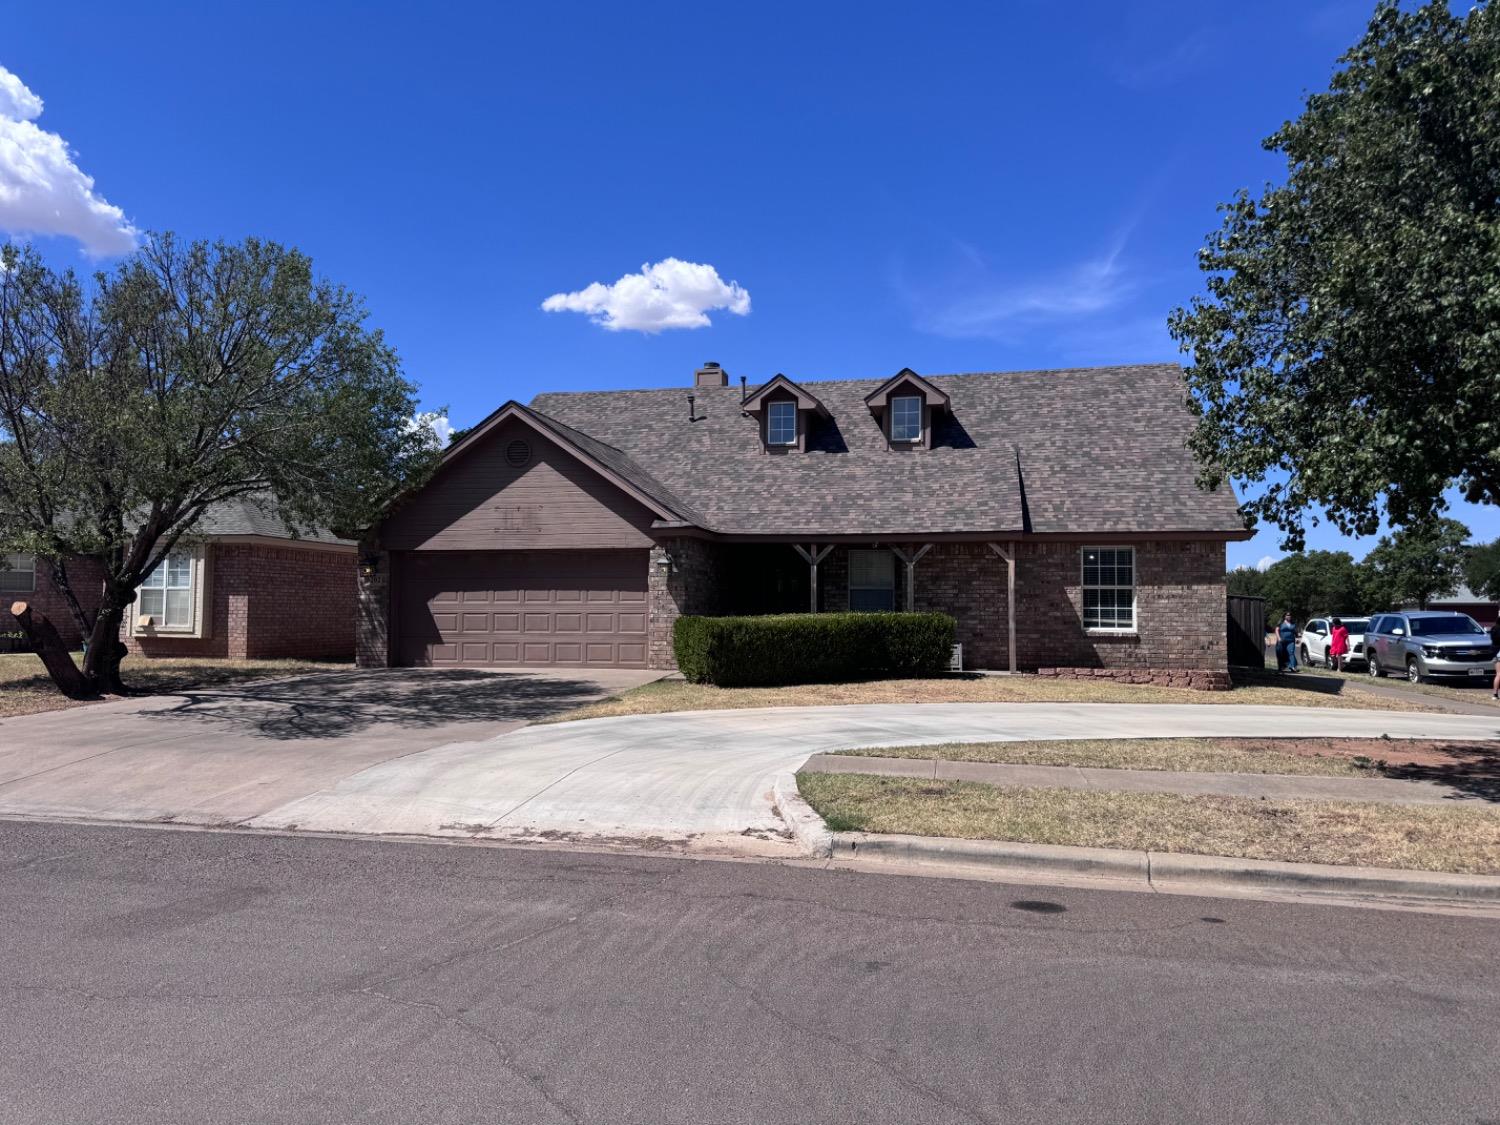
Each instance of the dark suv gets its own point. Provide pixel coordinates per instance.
(1428, 643)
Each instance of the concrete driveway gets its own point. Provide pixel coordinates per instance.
(706, 776)
(227, 755)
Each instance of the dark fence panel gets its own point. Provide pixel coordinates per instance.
(1247, 631)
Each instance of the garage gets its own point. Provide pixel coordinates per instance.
(518, 608)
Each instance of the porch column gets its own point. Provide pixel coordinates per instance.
(1008, 553)
(814, 555)
(911, 556)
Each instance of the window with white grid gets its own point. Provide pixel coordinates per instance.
(781, 423)
(17, 574)
(906, 418)
(166, 596)
(1109, 589)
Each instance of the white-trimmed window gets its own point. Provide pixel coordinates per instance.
(872, 580)
(17, 574)
(906, 418)
(781, 423)
(1109, 589)
(167, 595)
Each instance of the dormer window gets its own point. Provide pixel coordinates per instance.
(785, 411)
(906, 418)
(781, 422)
(904, 406)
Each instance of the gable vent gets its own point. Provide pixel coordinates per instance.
(518, 453)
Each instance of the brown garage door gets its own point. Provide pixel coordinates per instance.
(522, 607)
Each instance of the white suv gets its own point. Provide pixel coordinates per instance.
(1317, 634)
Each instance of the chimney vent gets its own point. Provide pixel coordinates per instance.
(711, 375)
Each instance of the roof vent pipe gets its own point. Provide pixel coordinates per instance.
(744, 391)
(692, 409)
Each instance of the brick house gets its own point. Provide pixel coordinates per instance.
(1054, 514)
(241, 588)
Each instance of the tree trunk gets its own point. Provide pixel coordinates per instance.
(101, 664)
(49, 645)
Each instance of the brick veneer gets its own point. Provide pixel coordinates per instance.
(270, 601)
(84, 575)
(1179, 601)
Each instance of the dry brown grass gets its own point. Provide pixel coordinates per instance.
(1421, 838)
(678, 695)
(26, 689)
(1196, 755)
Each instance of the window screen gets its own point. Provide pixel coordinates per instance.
(872, 580)
(1109, 588)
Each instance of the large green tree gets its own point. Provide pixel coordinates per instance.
(188, 375)
(1347, 354)
(1414, 565)
(1312, 583)
(1482, 570)
(1246, 581)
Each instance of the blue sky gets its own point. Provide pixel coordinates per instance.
(950, 187)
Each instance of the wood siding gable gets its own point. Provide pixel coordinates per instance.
(517, 490)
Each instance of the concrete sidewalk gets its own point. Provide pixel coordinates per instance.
(1188, 783)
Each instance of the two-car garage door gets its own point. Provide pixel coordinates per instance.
(521, 607)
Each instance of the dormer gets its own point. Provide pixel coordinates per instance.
(785, 412)
(904, 406)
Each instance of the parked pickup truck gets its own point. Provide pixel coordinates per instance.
(1317, 633)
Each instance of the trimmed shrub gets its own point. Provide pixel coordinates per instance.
(809, 648)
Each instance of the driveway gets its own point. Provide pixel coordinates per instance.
(448, 753)
(226, 755)
(707, 775)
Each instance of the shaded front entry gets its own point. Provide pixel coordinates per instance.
(513, 608)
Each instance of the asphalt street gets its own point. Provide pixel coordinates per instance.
(183, 976)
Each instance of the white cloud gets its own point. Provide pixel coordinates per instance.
(670, 294)
(1266, 562)
(42, 191)
(988, 309)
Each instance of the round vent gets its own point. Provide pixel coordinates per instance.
(518, 453)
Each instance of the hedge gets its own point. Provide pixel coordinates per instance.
(801, 648)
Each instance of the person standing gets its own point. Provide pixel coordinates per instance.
(1495, 641)
(1338, 645)
(1286, 645)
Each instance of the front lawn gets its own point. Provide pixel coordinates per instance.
(678, 695)
(26, 689)
(1423, 838)
(1196, 755)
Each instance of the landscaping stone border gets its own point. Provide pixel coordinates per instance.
(1201, 679)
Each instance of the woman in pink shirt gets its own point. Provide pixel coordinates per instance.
(1338, 645)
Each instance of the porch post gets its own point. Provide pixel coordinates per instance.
(813, 554)
(911, 558)
(1008, 553)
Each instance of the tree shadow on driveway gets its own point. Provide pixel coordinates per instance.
(339, 705)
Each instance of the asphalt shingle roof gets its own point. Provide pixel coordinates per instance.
(1090, 450)
(244, 515)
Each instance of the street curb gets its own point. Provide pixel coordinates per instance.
(1160, 871)
(806, 825)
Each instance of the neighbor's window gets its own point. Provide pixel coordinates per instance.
(872, 580)
(167, 593)
(906, 418)
(1109, 588)
(781, 423)
(17, 574)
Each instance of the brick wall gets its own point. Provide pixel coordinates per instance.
(270, 601)
(84, 575)
(693, 584)
(1180, 602)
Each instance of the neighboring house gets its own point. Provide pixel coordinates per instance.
(1465, 600)
(241, 588)
(1054, 514)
